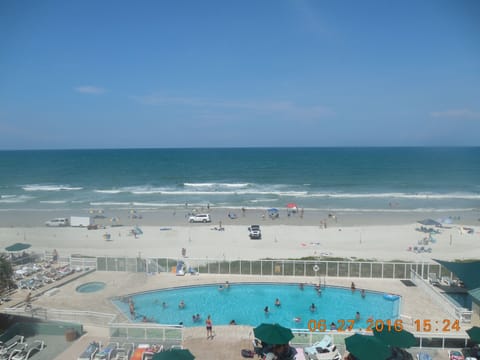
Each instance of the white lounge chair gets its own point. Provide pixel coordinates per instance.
(28, 351)
(8, 345)
(323, 350)
(433, 279)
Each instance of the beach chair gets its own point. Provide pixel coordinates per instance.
(108, 352)
(125, 351)
(90, 351)
(7, 346)
(28, 351)
(433, 279)
(258, 348)
(423, 356)
(323, 350)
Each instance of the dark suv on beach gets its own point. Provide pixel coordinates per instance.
(255, 233)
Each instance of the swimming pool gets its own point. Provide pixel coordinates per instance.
(245, 304)
(91, 287)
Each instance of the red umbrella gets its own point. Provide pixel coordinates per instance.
(292, 206)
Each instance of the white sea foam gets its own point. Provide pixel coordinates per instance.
(110, 203)
(53, 202)
(16, 199)
(218, 185)
(7, 196)
(426, 196)
(109, 191)
(36, 187)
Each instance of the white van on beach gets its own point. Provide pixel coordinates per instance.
(57, 222)
(200, 218)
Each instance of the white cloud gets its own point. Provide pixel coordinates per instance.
(456, 114)
(88, 89)
(284, 107)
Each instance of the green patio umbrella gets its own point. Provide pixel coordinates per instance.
(474, 334)
(17, 247)
(273, 334)
(174, 354)
(401, 339)
(365, 347)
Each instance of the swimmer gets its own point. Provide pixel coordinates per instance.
(333, 326)
(363, 294)
(181, 305)
(266, 310)
(357, 316)
(220, 288)
(233, 322)
(297, 319)
(352, 287)
(227, 284)
(301, 286)
(313, 307)
(164, 305)
(277, 302)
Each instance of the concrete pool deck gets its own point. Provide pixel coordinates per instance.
(416, 304)
(229, 340)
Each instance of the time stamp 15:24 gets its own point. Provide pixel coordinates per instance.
(419, 325)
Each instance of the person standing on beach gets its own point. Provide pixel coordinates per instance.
(209, 325)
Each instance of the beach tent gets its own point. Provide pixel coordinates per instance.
(273, 213)
(292, 207)
(429, 222)
(17, 247)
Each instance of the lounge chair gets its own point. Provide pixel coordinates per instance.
(7, 346)
(323, 350)
(108, 352)
(258, 348)
(300, 354)
(433, 279)
(90, 351)
(28, 351)
(423, 356)
(125, 351)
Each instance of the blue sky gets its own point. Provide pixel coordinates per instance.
(103, 74)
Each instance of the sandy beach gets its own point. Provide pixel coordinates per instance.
(386, 236)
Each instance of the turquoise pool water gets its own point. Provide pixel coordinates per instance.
(245, 304)
(91, 287)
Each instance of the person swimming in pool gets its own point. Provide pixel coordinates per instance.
(277, 302)
(266, 310)
(313, 307)
(181, 305)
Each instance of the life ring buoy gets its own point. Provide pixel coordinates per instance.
(315, 268)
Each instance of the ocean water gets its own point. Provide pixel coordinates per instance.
(339, 179)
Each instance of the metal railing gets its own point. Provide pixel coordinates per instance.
(83, 317)
(460, 313)
(360, 269)
(304, 338)
(133, 332)
(147, 332)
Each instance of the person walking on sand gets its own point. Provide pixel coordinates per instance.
(209, 325)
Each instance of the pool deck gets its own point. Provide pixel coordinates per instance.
(229, 340)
